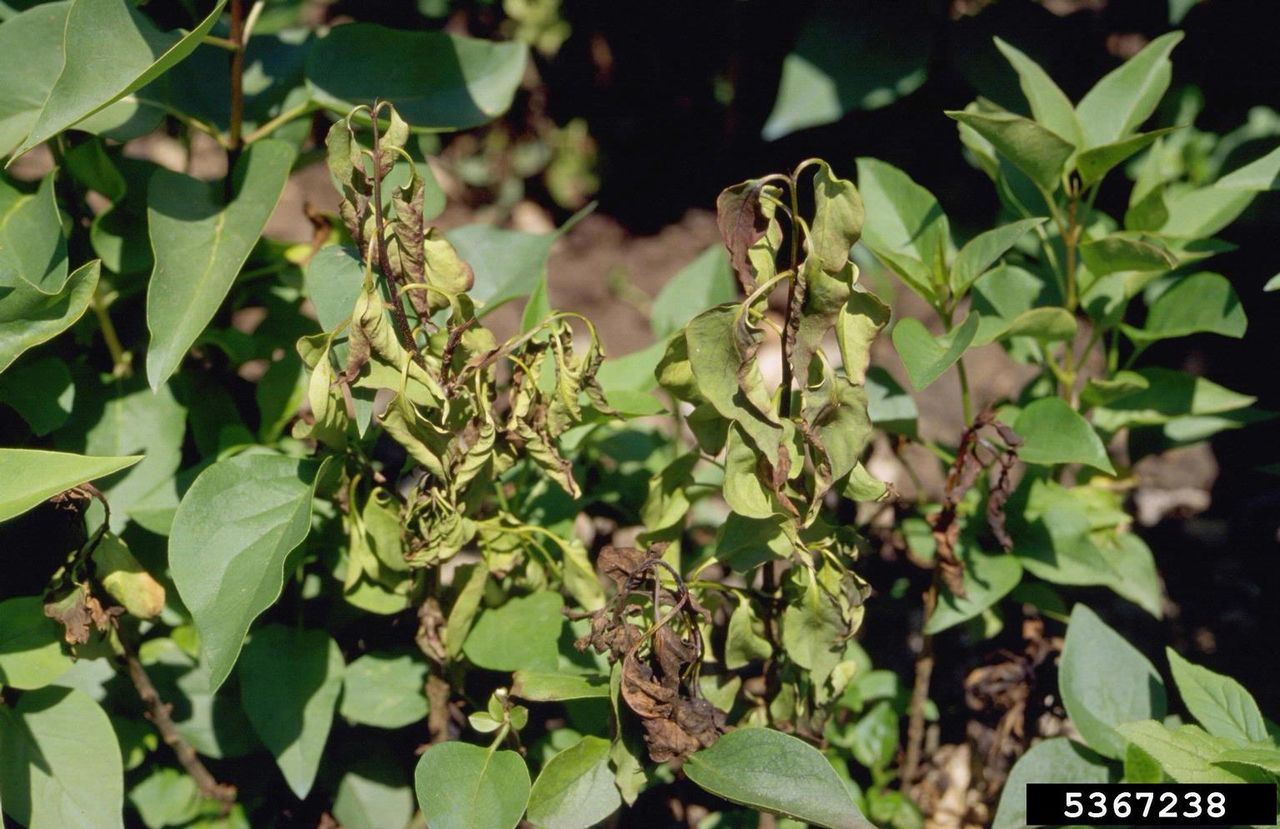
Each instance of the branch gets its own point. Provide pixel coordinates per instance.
(234, 142)
(158, 712)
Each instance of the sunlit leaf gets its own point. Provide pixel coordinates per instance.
(234, 529)
(200, 246)
(436, 81)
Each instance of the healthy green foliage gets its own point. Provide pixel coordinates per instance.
(461, 786)
(231, 536)
(200, 246)
(773, 771)
(48, 781)
(1106, 682)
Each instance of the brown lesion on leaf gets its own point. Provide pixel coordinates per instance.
(660, 658)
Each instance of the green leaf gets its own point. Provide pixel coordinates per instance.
(167, 797)
(774, 772)
(720, 357)
(925, 356)
(1055, 433)
(1203, 211)
(98, 71)
(882, 55)
(1049, 104)
(33, 245)
(537, 308)
(875, 736)
(1186, 753)
(1166, 394)
(461, 786)
(982, 251)
(1056, 759)
(41, 392)
(1258, 176)
(1266, 758)
(988, 578)
(334, 279)
(29, 317)
(234, 529)
(29, 476)
(706, 281)
(141, 422)
(575, 789)
(744, 641)
(1122, 253)
(1202, 303)
(1218, 702)
(1094, 163)
(507, 263)
(902, 217)
(1013, 302)
(1135, 567)
(543, 686)
(520, 635)
(436, 81)
(61, 764)
(30, 644)
(890, 406)
(1099, 391)
(838, 216)
(746, 543)
(289, 684)
(1119, 103)
(1033, 149)
(200, 246)
(30, 59)
(385, 690)
(374, 793)
(1105, 682)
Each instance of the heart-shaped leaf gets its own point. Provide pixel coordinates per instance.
(461, 786)
(1054, 433)
(925, 356)
(228, 543)
(60, 766)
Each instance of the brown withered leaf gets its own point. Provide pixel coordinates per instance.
(618, 564)
(645, 695)
(741, 224)
(431, 625)
(77, 612)
(700, 719)
(667, 741)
